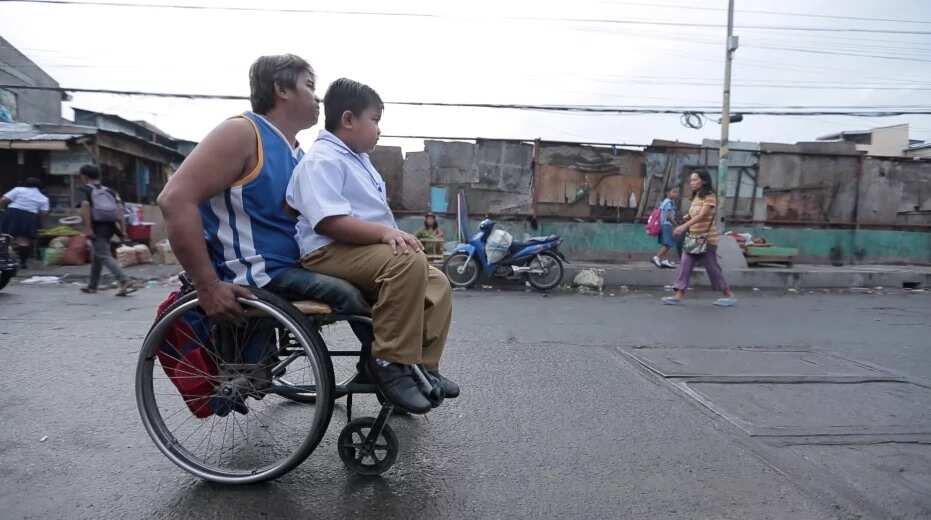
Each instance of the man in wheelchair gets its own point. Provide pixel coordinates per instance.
(231, 191)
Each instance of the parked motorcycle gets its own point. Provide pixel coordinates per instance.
(8, 261)
(493, 252)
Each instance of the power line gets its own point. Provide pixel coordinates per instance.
(712, 82)
(779, 13)
(524, 139)
(820, 49)
(878, 111)
(439, 16)
(837, 53)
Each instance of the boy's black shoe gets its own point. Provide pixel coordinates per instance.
(450, 388)
(397, 382)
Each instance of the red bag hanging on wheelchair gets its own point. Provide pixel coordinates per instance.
(186, 361)
(189, 358)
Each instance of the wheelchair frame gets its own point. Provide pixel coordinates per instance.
(313, 316)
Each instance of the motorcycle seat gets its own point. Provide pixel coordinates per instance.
(517, 246)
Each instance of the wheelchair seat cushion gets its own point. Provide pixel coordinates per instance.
(312, 307)
(315, 293)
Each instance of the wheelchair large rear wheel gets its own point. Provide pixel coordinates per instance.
(219, 399)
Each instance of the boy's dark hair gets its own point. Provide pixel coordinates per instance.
(32, 182)
(345, 94)
(90, 171)
(271, 72)
(707, 188)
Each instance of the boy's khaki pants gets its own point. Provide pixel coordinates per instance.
(413, 300)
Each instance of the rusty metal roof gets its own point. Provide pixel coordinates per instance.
(28, 132)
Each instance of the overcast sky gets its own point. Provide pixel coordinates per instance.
(477, 52)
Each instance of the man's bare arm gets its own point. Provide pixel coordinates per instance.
(86, 219)
(221, 159)
(121, 220)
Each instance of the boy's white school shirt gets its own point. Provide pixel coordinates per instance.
(333, 180)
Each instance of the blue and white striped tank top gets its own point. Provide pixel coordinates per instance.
(249, 234)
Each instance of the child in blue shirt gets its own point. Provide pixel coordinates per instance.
(668, 221)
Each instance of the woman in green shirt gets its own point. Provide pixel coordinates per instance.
(431, 235)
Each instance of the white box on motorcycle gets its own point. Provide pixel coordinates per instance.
(498, 245)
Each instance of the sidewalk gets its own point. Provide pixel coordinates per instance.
(80, 273)
(633, 274)
(645, 274)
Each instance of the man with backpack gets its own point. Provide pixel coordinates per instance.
(102, 214)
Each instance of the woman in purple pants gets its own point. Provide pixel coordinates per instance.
(700, 222)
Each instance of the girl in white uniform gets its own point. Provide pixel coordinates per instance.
(26, 208)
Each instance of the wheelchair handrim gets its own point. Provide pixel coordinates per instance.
(164, 439)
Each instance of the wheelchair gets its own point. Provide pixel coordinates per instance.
(263, 390)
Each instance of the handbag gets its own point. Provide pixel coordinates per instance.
(695, 244)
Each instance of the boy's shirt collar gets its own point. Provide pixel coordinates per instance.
(330, 137)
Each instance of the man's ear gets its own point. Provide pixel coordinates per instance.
(280, 91)
(347, 119)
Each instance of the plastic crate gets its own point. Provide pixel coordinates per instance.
(139, 232)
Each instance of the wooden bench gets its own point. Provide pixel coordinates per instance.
(769, 254)
(435, 258)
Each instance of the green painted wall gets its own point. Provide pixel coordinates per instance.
(866, 245)
(606, 241)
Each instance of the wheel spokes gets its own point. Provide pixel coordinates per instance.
(249, 430)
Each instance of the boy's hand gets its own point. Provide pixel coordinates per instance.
(401, 241)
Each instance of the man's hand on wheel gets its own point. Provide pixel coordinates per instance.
(219, 300)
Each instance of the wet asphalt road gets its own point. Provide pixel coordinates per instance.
(555, 421)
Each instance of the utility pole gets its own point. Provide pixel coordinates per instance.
(726, 118)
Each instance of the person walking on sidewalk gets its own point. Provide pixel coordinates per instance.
(701, 243)
(102, 214)
(26, 211)
(666, 239)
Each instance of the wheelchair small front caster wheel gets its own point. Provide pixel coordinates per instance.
(364, 457)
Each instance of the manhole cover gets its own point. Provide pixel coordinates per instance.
(820, 408)
(690, 362)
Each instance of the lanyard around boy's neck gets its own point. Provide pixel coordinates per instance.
(338, 142)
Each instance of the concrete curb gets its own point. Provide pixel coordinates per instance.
(636, 275)
(796, 278)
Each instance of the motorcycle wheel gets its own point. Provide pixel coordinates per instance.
(469, 274)
(552, 271)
